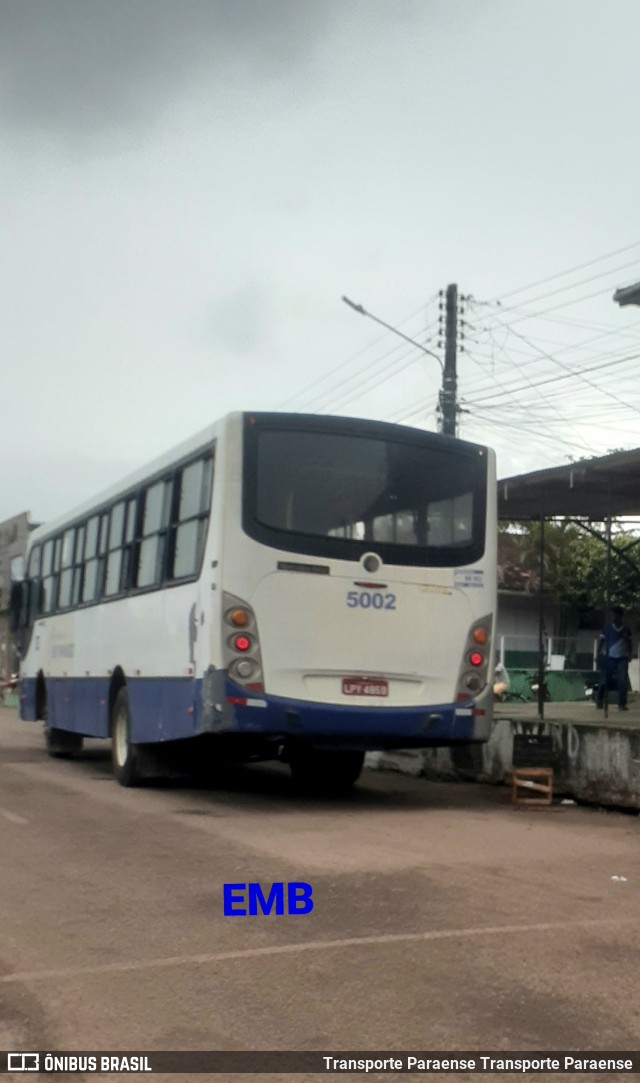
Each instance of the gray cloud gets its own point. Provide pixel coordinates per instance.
(82, 67)
(238, 322)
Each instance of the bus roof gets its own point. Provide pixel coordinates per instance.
(200, 440)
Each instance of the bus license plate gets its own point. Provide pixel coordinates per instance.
(365, 686)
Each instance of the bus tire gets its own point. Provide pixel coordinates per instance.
(326, 771)
(61, 744)
(124, 754)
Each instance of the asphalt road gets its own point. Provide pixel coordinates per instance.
(443, 918)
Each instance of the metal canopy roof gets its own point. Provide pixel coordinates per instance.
(589, 489)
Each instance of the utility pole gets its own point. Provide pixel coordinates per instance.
(449, 392)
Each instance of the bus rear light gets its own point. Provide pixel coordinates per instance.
(239, 618)
(243, 668)
(241, 647)
(473, 675)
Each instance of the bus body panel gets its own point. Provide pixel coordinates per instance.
(407, 633)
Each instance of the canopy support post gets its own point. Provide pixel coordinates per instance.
(607, 600)
(541, 681)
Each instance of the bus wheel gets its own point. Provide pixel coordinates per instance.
(124, 754)
(330, 772)
(61, 744)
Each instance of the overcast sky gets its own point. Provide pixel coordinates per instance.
(190, 186)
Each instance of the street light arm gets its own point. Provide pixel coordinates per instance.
(628, 295)
(363, 312)
(354, 306)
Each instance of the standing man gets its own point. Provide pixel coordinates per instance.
(614, 652)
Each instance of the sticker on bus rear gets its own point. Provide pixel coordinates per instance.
(468, 578)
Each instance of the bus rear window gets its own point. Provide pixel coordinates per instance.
(414, 500)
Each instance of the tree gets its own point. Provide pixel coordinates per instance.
(575, 569)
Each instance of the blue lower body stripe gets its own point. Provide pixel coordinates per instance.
(174, 708)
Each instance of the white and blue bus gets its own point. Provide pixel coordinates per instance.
(283, 586)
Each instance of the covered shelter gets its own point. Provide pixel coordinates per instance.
(592, 492)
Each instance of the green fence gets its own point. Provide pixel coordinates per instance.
(566, 685)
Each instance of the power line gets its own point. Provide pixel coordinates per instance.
(578, 373)
(606, 357)
(573, 373)
(339, 368)
(536, 435)
(571, 270)
(373, 381)
(565, 321)
(564, 346)
(572, 285)
(336, 388)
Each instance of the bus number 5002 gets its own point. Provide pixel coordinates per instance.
(366, 600)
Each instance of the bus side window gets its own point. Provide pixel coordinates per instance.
(129, 540)
(46, 605)
(191, 517)
(151, 546)
(55, 576)
(90, 568)
(66, 577)
(102, 553)
(114, 558)
(76, 588)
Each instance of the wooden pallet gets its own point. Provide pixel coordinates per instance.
(527, 781)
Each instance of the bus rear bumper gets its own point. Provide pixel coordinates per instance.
(365, 727)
